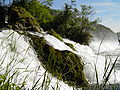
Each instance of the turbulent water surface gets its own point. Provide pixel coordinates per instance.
(17, 54)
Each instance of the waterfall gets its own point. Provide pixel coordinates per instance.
(18, 56)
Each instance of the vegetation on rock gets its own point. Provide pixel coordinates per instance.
(71, 46)
(70, 22)
(20, 19)
(73, 24)
(63, 65)
(52, 32)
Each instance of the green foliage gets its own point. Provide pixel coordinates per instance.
(69, 23)
(47, 2)
(20, 19)
(19, 14)
(80, 36)
(39, 11)
(63, 65)
(71, 46)
(74, 24)
(21, 3)
(52, 32)
(8, 85)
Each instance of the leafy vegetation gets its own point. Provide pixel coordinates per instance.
(52, 32)
(69, 23)
(8, 85)
(71, 46)
(74, 24)
(39, 11)
(20, 19)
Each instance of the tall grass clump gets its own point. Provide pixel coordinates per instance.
(8, 62)
(109, 70)
(14, 75)
(107, 74)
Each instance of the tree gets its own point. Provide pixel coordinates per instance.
(86, 15)
(21, 3)
(74, 24)
(39, 11)
(46, 2)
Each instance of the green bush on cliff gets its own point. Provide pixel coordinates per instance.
(21, 19)
(69, 23)
(40, 12)
(73, 23)
(19, 14)
(63, 65)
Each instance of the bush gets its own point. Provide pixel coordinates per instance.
(81, 37)
(39, 11)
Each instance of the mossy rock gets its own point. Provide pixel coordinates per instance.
(52, 32)
(64, 65)
(23, 20)
(71, 46)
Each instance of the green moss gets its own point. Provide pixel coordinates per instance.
(22, 19)
(71, 46)
(24, 15)
(63, 65)
(52, 32)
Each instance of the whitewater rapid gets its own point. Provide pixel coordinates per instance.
(17, 53)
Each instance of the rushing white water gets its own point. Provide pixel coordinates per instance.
(18, 55)
(99, 52)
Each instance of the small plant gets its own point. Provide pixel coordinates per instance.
(52, 32)
(108, 72)
(71, 46)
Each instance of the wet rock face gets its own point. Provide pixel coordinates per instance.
(20, 19)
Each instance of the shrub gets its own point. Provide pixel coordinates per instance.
(73, 24)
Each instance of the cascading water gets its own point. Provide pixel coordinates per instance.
(17, 54)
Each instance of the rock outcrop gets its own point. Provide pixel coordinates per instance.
(20, 19)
